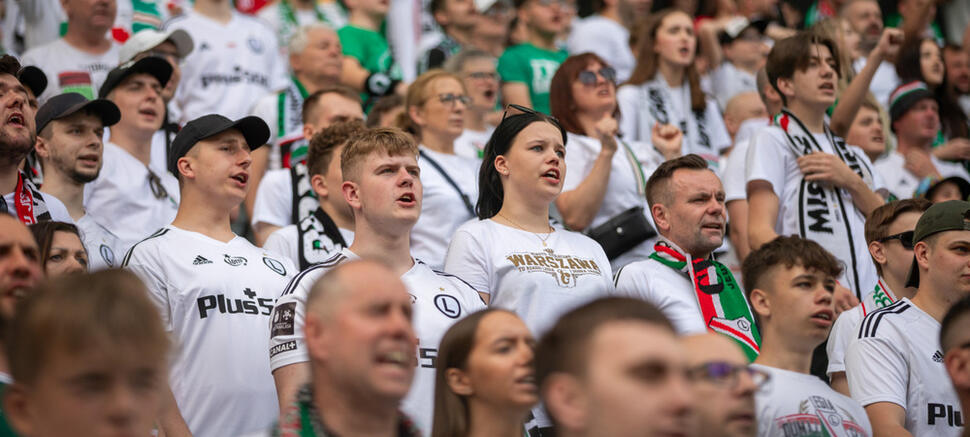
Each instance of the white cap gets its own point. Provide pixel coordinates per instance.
(149, 38)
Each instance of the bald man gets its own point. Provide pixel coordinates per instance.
(742, 107)
(361, 344)
(723, 387)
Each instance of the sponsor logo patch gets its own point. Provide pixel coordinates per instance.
(280, 348)
(282, 319)
(234, 261)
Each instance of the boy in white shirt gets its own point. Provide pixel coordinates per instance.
(790, 283)
(894, 365)
(214, 289)
(382, 185)
(801, 178)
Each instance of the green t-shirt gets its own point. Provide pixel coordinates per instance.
(528, 64)
(370, 49)
(5, 429)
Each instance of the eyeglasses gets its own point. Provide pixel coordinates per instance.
(726, 374)
(483, 75)
(155, 183)
(905, 238)
(588, 77)
(453, 99)
(565, 4)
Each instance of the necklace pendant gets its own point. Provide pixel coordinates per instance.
(543, 244)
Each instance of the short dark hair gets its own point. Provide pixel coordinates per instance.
(9, 65)
(310, 104)
(877, 225)
(956, 312)
(43, 233)
(787, 251)
(658, 186)
(323, 144)
(794, 54)
(565, 347)
(382, 106)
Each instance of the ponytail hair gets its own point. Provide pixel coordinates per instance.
(491, 193)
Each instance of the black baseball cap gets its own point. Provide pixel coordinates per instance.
(153, 65)
(253, 129)
(33, 78)
(65, 105)
(952, 215)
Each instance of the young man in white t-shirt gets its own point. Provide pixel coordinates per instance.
(382, 185)
(613, 367)
(889, 232)
(790, 282)
(285, 196)
(79, 61)
(687, 202)
(214, 289)
(801, 178)
(331, 226)
(895, 365)
(236, 61)
(69, 147)
(477, 71)
(911, 169)
(131, 197)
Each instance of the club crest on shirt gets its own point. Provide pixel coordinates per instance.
(448, 305)
(234, 261)
(566, 269)
(818, 416)
(255, 45)
(274, 265)
(107, 255)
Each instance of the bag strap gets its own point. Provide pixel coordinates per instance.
(464, 197)
(637, 168)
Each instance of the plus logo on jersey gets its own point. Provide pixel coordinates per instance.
(944, 413)
(234, 261)
(219, 303)
(565, 268)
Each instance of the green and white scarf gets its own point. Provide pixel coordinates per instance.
(289, 123)
(301, 419)
(722, 303)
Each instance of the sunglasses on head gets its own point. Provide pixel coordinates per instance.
(588, 77)
(905, 238)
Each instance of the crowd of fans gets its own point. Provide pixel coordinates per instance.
(450, 218)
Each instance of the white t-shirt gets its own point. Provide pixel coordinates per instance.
(121, 197)
(964, 101)
(104, 249)
(540, 282)
(607, 39)
(274, 199)
(800, 404)
(216, 299)
(669, 290)
(471, 143)
(883, 82)
(846, 326)
(267, 108)
(285, 241)
(439, 300)
(902, 183)
(896, 358)
(231, 67)
(55, 207)
(69, 69)
(622, 192)
(728, 81)
(770, 158)
(442, 209)
(646, 104)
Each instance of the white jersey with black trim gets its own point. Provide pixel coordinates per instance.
(232, 66)
(216, 298)
(846, 326)
(793, 404)
(104, 248)
(439, 300)
(896, 358)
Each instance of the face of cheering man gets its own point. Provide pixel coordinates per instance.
(693, 217)
(19, 263)
(387, 191)
(139, 97)
(72, 146)
(219, 165)
(17, 116)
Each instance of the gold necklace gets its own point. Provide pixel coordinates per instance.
(543, 240)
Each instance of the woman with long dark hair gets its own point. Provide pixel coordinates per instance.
(485, 381)
(665, 89)
(61, 250)
(607, 174)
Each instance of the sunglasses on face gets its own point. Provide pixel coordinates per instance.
(726, 375)
(905, 238)
(453, 99)
(588, 77)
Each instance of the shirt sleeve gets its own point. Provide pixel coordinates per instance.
(732, 175)
(766, 159)
(157, 286)
(266, 109)
(281, 242)
(843, 331)
(287, 341)
(877, 371)
(352, 45)
(274, 199)
(511, 68)
(630, 282)
(466, 259)
(626, 99)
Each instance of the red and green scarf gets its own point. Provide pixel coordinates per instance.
(723, 305)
